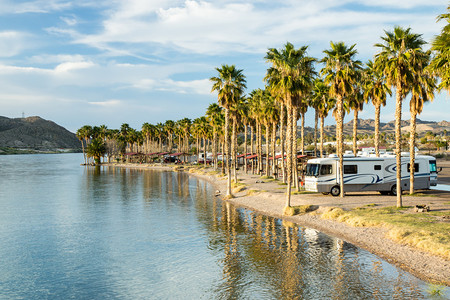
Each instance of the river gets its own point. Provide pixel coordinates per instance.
(69, 231)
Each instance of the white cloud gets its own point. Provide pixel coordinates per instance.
(107, 103)
(12, 43)
(201, 87)
(70, 66)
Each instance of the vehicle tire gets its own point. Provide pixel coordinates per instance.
(335, 191)
(325, 193)
(394, 190)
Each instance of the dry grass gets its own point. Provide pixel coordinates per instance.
(420, 230)
(253, 192)
(239, 188)
(296, 210)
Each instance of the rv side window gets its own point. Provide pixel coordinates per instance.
(377, 167)
(433, 166)
(350, 169)
(416, 167)
(312, 169)
(326, 169)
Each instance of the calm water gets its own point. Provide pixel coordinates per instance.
(68, 231)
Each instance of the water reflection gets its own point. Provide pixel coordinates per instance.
(257, 256)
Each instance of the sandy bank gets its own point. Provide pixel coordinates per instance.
(270, 200)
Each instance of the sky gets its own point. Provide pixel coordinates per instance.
(109, 62)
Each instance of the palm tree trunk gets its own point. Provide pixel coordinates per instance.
(355, 131)
(259, 148)
(223, 156)
(252, 130)
(227, 151)
(316, 120)
(234, 150)
(214, 150)
(198, 150)
(398, 120)
(294, 144)
(204, 151)
(302, 132)
(245, 148)
(377, 130)
(322, 118)
(412, 142)
(274, 135)
(340, 141)
(267, 148)
(282, 142)
(289, 154)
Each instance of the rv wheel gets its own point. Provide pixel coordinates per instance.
(335, 191)
(394, 190)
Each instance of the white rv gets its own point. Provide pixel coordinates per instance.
(366, 174)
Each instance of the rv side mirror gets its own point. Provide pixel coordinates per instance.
(439, 169)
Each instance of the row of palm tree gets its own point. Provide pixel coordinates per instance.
(292, 85)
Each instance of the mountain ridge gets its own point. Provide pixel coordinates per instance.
(35, 133)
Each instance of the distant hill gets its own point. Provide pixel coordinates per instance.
(368, 126)
(35, 133)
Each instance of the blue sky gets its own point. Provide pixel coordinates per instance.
(115, 61)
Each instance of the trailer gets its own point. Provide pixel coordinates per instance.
(366, 174)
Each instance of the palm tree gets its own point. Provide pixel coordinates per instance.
(214, 115)
(323, 104)
(340, 73)
(422, 90)
(375, 88)
(229, 84)
(356, 103)
(96, 149)
(287, 75)
(400, 52)
(440, 64)
(169, 128)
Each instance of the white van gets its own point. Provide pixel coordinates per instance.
(364, 174)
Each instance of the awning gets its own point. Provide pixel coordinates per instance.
(178, 154)
(131, 153)
(164, 153)
(252, 156)
(154, 153)
(242, 155)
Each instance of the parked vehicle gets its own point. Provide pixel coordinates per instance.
(367, 174)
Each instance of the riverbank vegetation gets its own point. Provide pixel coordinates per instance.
(425, 231)
(337, 83)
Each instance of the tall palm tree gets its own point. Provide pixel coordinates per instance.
(273, 76)
(287, 75)
(356, 103)
(169, 127)
(440, 64)
(375, 89)
(323, 104)
(214, 115)
(422, 90)
(398, 56)
(229, 84)
(341, 70)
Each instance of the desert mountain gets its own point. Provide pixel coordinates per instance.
(368, 126)
(35, 133)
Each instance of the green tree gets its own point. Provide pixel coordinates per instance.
(341, 72)
(96, 149)
(400, 51)
(229, 84)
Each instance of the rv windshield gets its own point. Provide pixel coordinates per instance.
(312, 169)
(432, 166)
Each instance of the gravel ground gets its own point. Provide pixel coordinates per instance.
(271, 201)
